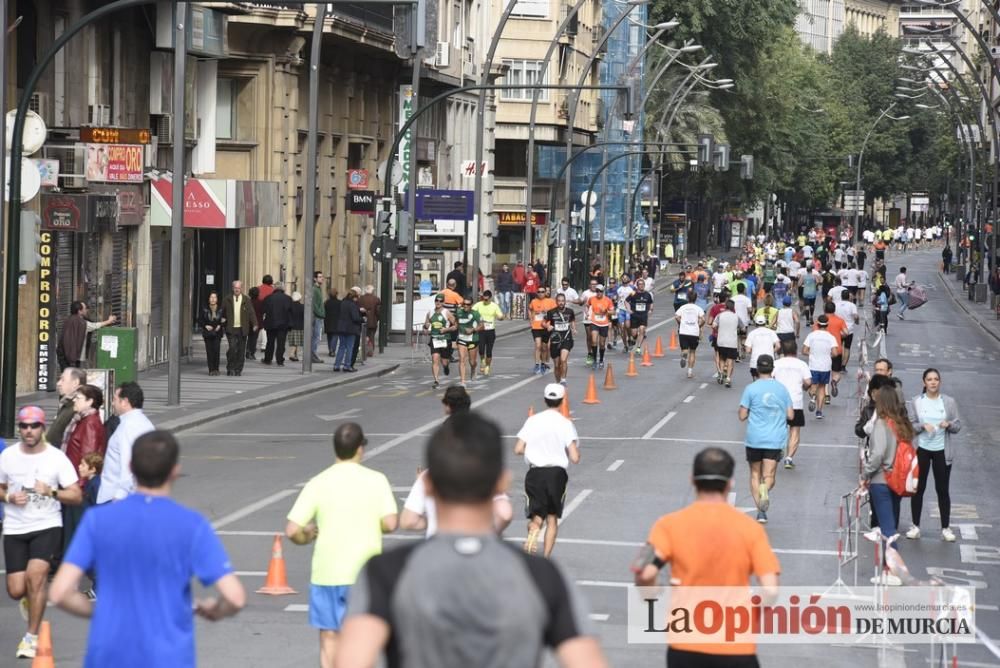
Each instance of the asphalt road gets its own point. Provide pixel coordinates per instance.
(637, 446)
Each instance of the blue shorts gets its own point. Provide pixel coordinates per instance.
(327, 606)
(623, 315)
(820, 377)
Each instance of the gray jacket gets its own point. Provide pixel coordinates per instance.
(881, 453)
(951, 415)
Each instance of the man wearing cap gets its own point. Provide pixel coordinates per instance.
(761, 341)
(766, 407)
(549, 443)
(821, 347)
(35, 478)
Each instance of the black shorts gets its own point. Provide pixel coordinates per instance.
(445, 352)
(468, 345)
(852, 289)
(487, 338)
(602, 331)
(545, 491)
(638, 320)
(727, 353)
(760, 454)
(679, 658)
(556, 347)
(542, 334)
(838, 363)
(786, 336)
(19, 549)
(689, 341)
(848, 340)
(799, 420)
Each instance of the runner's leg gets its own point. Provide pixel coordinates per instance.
(551, 530)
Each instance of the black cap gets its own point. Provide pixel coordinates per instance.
(765, 364)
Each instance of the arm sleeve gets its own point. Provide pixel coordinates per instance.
(208, 558)
(81, 549)
(416, 500)
(305, 507)
(67, 474)
(745, 399)
(389, 506)
(954, 418)
(878, 444)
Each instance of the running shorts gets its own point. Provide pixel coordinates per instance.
(679, 658)
(444, 351)
(760, 454)
(786, 336)
(19, 549)
(468, 345)
(689, 341)
(820, 377)
(556, 347)
(486, 340)
(799, 420)
(602, 332)
(838, 362)
(623, 315)
(727, 353)
(638, 320)
(327, 606)
(545, 491)
(539, 334)
(848, 340)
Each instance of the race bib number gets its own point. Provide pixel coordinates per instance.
(465, 338)
(640, 308)
(562, 326)
(489, 325)
(539, 317)
(439, 343)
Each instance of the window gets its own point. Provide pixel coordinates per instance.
(531, 8)
(523, 73)
(225, 108)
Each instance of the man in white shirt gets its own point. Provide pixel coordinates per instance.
(35, 478)
(572, 296)
(794, 374)
(743, 306)
(761, 341)
(807, 251)
(549, 442)
(690, 319)
(719, 280)
(839, 257)
(821, 346)
(727, 341)
(901, 285)
(848, 312)
(116, 479)
(836, 293)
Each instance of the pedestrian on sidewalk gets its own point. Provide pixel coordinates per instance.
(264, 291)
(319, 315)
(212, 324)
(240, 320)
(331, 313)
(117, 481)
(946, 260)
(145, 551)
(349, 326)
(935, 420)
(256, 303)
(277, 319)
(345, 510)
(370, 305)
(70, 380)
(504, 284)
(71, 350)
(295, 325)
(85, 435)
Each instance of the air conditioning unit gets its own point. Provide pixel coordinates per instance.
(442, 57)
(995, 52)
(99, 114)
(163, 128)
(41, 104)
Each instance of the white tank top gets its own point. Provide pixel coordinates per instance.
(786, 325)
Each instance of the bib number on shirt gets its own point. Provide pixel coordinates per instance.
(640, 308)
(489, 325)
(539, 317)
(465, 338)
(562, 326)
(439, 343)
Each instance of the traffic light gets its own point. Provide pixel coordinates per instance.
(632, 97)
(31, 240)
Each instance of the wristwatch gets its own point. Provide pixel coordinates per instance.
(54, 493)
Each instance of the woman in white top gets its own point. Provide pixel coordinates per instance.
(788, 321)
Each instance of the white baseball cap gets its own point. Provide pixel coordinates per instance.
(555, 391)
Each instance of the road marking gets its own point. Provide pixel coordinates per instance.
(703, 386)
(340, 416)
(846, 446)
(357, 394)
(297, 607)
(575, 503)
(617, 464)
(604, 583)
(401, 488)
(251, 574)
(424, 393)
(599, 617)
(689, 398)
(226, 520)
(656, 427)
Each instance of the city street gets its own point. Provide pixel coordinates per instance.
(244, 471)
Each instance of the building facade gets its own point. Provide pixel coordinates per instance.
(870, 16)
(820, 23)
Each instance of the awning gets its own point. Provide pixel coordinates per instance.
(218, 203)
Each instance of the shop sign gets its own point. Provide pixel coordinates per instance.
(115, 163)
(48, 171)
(102, 210)
(46, 305)
(517, 218)
(218, 203)
(361, 201)
(357, 179)
(66, 213)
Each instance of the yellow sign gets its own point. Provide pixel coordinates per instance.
(517, 218)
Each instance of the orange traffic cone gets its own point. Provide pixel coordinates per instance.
(631, 366)
(673, 340)
(531, 411)
(564, 407)
(43, 655)
(277, 579)
(591, 397)
(658, 351)
(609, 379)
(645, 357)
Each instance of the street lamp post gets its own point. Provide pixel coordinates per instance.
(861, 155)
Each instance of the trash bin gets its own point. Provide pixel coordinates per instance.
(960, 272)
(116, 349)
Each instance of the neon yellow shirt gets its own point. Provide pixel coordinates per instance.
(347, 501)
(488, 313)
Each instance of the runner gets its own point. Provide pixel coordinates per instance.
(719, 279)
(560, 326)
(703, 292)
(572, 296)
(489, 312)
(761, 341)
(727, 324)
(718, 307)
(848, 312)
(538, 308)
(690, 319)
(809, 280)
(549, 443)
(641, 307)
(768, 312)
(612, 294)
(35, 478)
(901, 285)
(838, 328)
(469, 326)
(766, 407)
(452, 300)
(787, 325)
(820, 346)
(440, 323)
(599, 309)
(584, 300)
(743, 307)
(794, 374)
(624, 312)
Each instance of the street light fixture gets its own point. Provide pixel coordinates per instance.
(861, 155)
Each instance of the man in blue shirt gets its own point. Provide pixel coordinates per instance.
(145, 550)
(766, 407)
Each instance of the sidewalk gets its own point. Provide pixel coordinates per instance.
(205, 398)
(982, 314)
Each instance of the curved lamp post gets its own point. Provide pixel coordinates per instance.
(861, 156)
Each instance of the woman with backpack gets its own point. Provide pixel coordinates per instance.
(935, 418)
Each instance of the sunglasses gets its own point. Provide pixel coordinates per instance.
(466, 303)
(29, 425)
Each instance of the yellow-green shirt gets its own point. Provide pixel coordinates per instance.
(488, 313)
(347, 502)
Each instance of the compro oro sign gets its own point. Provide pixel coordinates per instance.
(46, 317)
(115, 163)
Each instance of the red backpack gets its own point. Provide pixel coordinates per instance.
(902, 477)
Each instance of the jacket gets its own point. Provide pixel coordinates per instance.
(331, 313)
(248, 319)
(881, 453)
(371, 305)
(504, 281)
(349, 321)
(951, 415)
(54, 434)
(213, 320)
(277, 311)
(297, 319)
(73, 340)
(87, 436)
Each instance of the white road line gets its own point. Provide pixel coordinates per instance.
(617, 464)
(689, 398)
(297, 607)
(599, 617)
(251, 574)
(226, 520)
(656, 427)
(575, 503)
(703, 386)
(695, 440)
(401, 488)
(603, 583)
(247, 533)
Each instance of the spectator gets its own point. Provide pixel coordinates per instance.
(331, 312)
(277, 319)
(71, 350)
(370, 304)
(256, 302)
(263, 292)
(504, 284)
(349, 328)
(295, 326)
(90, 475)
(458, 276)
(212, 324)
(540, 271)
(240, 321)
(118, 482)
(70, 380)
(85, 435)
(520, 276)
(319, 315)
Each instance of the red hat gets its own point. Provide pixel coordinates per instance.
(31, 414)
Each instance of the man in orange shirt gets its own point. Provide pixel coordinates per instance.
(838, 327)
(709, 544)
(452, 300)
(599, 310)
(537, 310)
